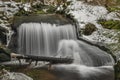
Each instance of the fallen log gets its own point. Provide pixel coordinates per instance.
(51, 60)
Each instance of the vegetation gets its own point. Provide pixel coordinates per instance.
(110, 24)
(44, 8)
(64, 11)
(118, 2)
(22, 12)
(37, 9)
(113, 9)
(89, 29)
(112, 5)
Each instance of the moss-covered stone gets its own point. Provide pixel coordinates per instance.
(89, 29)
(4, 54)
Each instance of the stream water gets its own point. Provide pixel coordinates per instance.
(44, 39)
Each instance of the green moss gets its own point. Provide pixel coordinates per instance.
(118, 2)
(113, 5)
(113, 9)
(110, 24)
(89, 29)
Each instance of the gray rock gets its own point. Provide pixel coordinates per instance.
(15, 76)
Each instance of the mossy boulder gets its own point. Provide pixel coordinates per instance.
(4, 54)
(89, 29)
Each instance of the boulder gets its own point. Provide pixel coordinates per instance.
(15, 76)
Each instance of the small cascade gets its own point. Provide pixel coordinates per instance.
(69, 48)
(83, 53)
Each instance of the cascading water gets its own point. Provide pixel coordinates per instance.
(43, 39)
(83, 53)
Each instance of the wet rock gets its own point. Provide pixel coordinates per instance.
(89, 29)
(4, 54)
(15, 76)
(3, 32)
(4, 57)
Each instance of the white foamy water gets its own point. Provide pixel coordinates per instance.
(85, 72)
(42, 39)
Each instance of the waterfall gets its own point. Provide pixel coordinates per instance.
(44, 39)
(41, 39)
